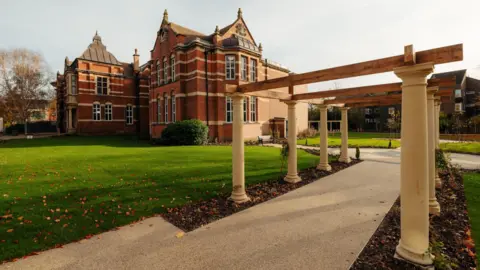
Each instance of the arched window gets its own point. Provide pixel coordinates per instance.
(165, 70)
(158, 73)
(96, 111)
(166, 107)
(159, 109)
(172, 66)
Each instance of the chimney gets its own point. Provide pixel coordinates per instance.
(136, 61)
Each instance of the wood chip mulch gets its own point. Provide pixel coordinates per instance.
(450, 239)
(193, 216)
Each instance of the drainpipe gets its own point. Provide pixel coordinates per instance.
(206, 81)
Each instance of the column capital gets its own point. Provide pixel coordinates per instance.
(431, 91)
(344, 108)
(290, 102)
(237, 96)
(414, 75)
(322, 107)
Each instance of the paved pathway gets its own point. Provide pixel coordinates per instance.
(323, 225)
(23, 136)
(466, 161)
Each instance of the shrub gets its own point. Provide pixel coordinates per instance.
(440, 159)
(357, 153)
(284, 151)
(187, 132)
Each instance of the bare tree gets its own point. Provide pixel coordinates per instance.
(24, 83)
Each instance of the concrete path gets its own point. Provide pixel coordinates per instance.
(465, 161)
(323, 225)
(23, 136)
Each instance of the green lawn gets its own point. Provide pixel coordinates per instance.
(57, 190)
(464, 147)
(360, 139)
(472, 192)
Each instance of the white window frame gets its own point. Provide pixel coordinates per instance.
(230, 67)
(108, 112)
(172, 66)
(245, 110)
(129, 114)
(228, 109)
(159, 109)
(96, 111)
(105, 85)
(253, 109)
(166, 108)
(253, 70)
(391, 110)
(165, 70)
(244, 68)
(174, 109)
(159, 81)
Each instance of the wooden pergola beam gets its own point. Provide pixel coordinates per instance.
(436, 56)
(444, 96)
(372, 89)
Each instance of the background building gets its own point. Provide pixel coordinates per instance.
(189, 73)
(97, 94)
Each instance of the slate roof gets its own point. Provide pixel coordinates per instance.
(184, 31)
(97, 52)
(459, 75)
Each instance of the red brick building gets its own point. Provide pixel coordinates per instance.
(189, 72)
(97, 94)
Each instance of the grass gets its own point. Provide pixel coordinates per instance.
(360, 139)
(462, 147)
(472, 192)
(58, 190)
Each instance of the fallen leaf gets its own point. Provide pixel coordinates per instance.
(10, 230)
(180, 234)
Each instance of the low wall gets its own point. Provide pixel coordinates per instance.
(460, 137)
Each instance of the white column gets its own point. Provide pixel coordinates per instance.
(292, 175)
(414, 227)
(344, 129)
(438, 181)
(238, 154)
(323, 165)
(433, 205)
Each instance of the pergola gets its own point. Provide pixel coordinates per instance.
(420, 99)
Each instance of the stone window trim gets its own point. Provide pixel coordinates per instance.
(102, 85)
(172, 66)
(129, 114)
(244, 68)
(165, 70)
(96, 111)
(108, 111)
(230, 67)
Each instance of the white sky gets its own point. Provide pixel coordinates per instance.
(302, 35)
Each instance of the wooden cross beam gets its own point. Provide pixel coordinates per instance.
(371, 89)
(436, 56)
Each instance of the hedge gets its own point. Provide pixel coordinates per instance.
(33, 127)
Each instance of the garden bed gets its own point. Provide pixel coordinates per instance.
(192, 216)
(449, 234)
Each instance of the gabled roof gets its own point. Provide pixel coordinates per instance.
(97, 52)
(459, 75)
(178, 29)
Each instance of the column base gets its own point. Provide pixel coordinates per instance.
(292, 178)
(71, 130)
(324, 167)
(438, 181)
(434, 207)
(344, 160)
(423, 260)
(239, 197)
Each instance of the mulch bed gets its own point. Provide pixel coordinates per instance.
(193, 216)
(449, 233)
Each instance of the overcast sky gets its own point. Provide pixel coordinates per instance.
(302, 35)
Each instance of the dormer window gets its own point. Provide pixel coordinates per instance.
(163, 35)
